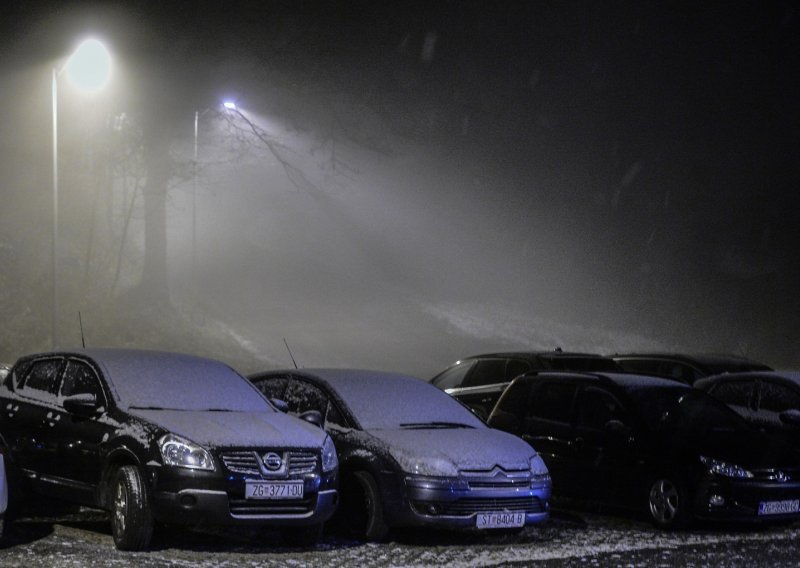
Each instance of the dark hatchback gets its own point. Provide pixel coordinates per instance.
(686, 368)
(478, 381)
(651, 444)
(413, 456)
(153, 436)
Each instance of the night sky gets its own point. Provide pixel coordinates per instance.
(637, 161)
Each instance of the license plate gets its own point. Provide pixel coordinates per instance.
(779, 507)
(268, 490)
(500, 520)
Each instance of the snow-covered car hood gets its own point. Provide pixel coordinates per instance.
(241, 429)
(444, 451)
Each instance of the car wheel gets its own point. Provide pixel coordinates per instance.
(361, 509)
(667, 503)
(131, 515)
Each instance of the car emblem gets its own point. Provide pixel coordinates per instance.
(272, 461)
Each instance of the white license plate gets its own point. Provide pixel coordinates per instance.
(500, 520)
(268, 490)
(779, 507)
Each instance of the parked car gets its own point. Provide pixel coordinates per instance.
(478, 381)
(653, 445)
(3, 490)
(769, 400)
(413, 456)
(153, 436)
(684, 367)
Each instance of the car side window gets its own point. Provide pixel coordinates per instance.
(454, 376)
(487, 372)
(80, 378)
(334, 416)
(515, 368)
(734, 393)
(302, 397)
(596, 407)
(553, 401)
(776, 397)
(42, 377)
(274, 387)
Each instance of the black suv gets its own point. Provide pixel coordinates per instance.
(478, 381)
(152, 436)
(686, 368)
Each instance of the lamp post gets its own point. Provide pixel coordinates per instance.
(88, 68)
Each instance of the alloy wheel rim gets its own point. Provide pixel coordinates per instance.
(664, 501)
(120, 505)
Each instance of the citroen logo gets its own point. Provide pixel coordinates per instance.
(272, 461)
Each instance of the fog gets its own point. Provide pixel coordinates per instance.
(401, 186)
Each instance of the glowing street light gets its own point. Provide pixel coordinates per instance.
(88, 69)
(230, 105)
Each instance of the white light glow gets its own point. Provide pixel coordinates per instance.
(89, 67)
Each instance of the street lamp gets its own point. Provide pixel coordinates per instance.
(88, 69)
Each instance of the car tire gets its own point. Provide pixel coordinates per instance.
(369, 509)
(668, 503)
(131, 514)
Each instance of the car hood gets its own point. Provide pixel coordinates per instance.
(440, 451)
(236, 429)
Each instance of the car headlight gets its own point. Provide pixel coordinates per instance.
(539, 470)
(180, 452)
(725, 469)
(330, 460)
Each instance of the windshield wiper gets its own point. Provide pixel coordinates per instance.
(425, 425)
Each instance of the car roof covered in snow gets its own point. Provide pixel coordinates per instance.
(158, 379)
(379, 399)
(792, 377)
(623, 380)
(711, 362)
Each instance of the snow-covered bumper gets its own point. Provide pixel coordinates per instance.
(505, 500)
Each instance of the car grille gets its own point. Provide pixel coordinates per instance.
(250, 507)
(779, 475)
(247, 461)
(497, 478)
(466, 507)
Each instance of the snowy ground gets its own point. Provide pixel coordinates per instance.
(570, 539)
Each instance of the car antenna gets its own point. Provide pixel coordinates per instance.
(290, 352)
(80, 323)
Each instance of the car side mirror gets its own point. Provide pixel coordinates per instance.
(791, 417)
(281, 405)
(83, 404)
(312, 417)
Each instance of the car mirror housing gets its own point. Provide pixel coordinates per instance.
(83, 404)
(791, 417)
(312, 417)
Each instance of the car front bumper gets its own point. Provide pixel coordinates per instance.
(747, 500)
(194, 498)
(455, 505)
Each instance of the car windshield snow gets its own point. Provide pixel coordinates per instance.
(404, 403)
(161, 381)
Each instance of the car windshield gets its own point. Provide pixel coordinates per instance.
(686, 411)
(166, 381)
(404, 402)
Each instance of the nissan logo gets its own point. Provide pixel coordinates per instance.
(272, 461)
